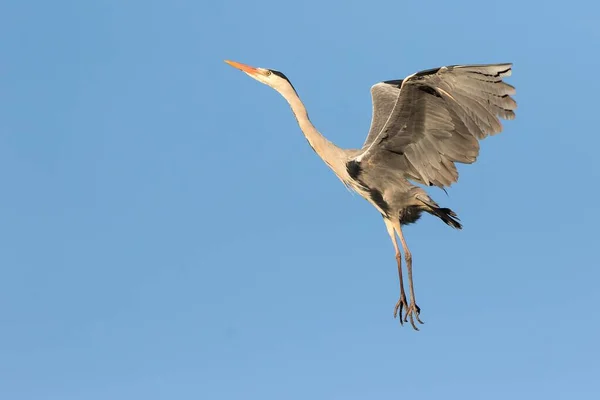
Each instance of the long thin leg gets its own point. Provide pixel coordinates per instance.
(402, 300)
(413, 308)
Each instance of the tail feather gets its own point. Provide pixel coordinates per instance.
(448, 216)
(445, 214)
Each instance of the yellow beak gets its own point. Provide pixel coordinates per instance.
(243, 67)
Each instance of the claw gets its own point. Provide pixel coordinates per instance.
(413, 309)
(412, 322)
(401, 305)
(417, 314)
(398, 309)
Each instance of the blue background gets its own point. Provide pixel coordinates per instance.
(167, 233)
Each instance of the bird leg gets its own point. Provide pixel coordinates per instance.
(413, 308)
(402, 300)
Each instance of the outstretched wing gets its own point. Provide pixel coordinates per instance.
(432, 119)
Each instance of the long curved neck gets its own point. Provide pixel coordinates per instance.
(333, 156)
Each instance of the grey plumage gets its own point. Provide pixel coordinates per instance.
(436, 120)
(421, 126)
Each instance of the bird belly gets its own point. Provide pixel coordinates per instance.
(373, 196)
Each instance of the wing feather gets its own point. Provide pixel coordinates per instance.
(427, 122)
(384, 96)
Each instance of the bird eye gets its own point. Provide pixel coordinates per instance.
(268, 73)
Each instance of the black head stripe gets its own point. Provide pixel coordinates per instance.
(279, 74)
(282, 76)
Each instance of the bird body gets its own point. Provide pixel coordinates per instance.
(421, 126)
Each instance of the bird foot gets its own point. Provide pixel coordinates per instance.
(412, 312)
(399, 306)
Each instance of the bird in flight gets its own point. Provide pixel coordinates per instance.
(421, 126)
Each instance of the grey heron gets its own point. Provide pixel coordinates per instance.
(421, 126)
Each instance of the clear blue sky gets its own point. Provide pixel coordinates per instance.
(167, 233)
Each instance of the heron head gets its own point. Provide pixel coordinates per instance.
(272, 78)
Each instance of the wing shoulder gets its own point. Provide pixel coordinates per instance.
(383, 96)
